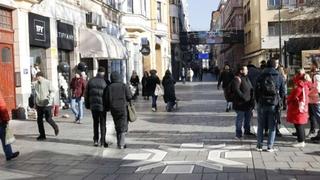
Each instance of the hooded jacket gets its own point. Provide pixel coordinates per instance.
(94, 93)
(294, 115)
(116, 97)
(169, 92)
(278, 79)
(4, 113)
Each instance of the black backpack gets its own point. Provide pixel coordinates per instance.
(267, 90)
(230, 90)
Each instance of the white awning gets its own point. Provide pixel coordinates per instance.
(95, 44)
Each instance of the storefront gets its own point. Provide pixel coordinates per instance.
(7, 77)
(39, 40)
(65, 41)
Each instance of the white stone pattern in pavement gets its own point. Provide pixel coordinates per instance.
(218, 157)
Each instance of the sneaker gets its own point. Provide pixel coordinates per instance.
(259, 149)
(299, 145)
(227, 110)
(294, 134)
(122, 147)
(78, 122)
(95, 143)
(41, 138)
(56, 131)
(249, 134)
(14, 155)
(311, 134)
(238, 138)
(317, 138)
(271, 150)
(154, 110)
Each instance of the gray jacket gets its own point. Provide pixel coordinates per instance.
(44, 92)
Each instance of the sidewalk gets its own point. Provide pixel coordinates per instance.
(196, 142)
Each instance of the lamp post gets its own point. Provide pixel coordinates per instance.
(280, 33)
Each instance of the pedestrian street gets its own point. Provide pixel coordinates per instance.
(194, 142)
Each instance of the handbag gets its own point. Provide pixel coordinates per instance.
(303, 107)
(132, 116)
(158, 91)
(9, 136)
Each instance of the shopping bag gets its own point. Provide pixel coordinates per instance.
(132, 116)
(158, 91)
(9, 136)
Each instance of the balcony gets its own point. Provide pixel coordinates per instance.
(135, 22)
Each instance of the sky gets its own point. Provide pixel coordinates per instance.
(200, 13)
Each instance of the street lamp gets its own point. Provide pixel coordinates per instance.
(280, 33)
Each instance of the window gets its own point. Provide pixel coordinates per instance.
(130, 6)
(273, 28)
(5, 19)
(289, 3)
(159, 12)
(6, 55)
(174, 25)
(274, 3)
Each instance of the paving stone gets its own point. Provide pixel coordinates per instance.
(300, 165)
(302, 159)
(189, 177)
(137, 156)
(275, 165)
(315, 165)
(197, 170)
(126, 170)
(129, 176)
(166, 177)
(241, 176)
(209, 176)
(305, 177)
(95, 176)
(111, 177)
(148, 177)
(158, 170)
(178, 169)
(222, 176)
(238, 154)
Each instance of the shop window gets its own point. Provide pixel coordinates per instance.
(6, 55)
(5, 19)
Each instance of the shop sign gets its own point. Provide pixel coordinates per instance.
(39, 30)
(65, 36)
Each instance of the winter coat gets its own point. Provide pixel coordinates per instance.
(169, 92)
(294, 115)
(279, 82)
(315, 89)
(243, 99)
(44, 92)
(145, 89)
(77, 87)
(4, 113)
(253, 74)
(117, 96)
(225, 78)
(152, 83)
(94, 93)
(135, 81)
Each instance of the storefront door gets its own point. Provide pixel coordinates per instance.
(7, 83)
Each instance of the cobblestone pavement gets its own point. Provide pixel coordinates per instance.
(196, 142)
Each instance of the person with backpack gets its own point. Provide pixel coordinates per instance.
(269, 91)
(94, 101)
(314, 106)
(116, 97)
(298, 100)
(243, 101)
(225, 78)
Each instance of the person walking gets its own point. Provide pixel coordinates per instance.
(77, 87)
(44, 93)
(4, 120)
(191, 75)
(135, 81)
(298, 100)
(269, 90)
(243, 102)
(225, 78)
(315, 101)
(169, 91)
(94, 101)
(183, 75)
(153, 81)
(117, 96)
(145, 90)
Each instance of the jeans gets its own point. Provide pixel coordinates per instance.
(314, 113)
(47, 112)
(246, 116)
(6, 148)
(300, 132)
(77, 107)
(266, 116)
(99, 118)
(154, 101)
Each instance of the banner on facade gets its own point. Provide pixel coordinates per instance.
(39, 30)
(65, 36)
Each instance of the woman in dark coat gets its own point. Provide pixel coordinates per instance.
(135, 81)
(169, 92)
(117, 96)
(151, 85)
(145, 90)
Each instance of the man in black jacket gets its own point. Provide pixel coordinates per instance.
(225, 78)
(94, 102)
(243, 102)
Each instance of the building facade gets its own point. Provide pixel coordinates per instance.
(53, 37)
(298, 31)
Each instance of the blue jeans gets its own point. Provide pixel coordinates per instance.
(246, 116)
(6, 148)
(154, 101)
(77, 107)
(314, 112)
(266, 116)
